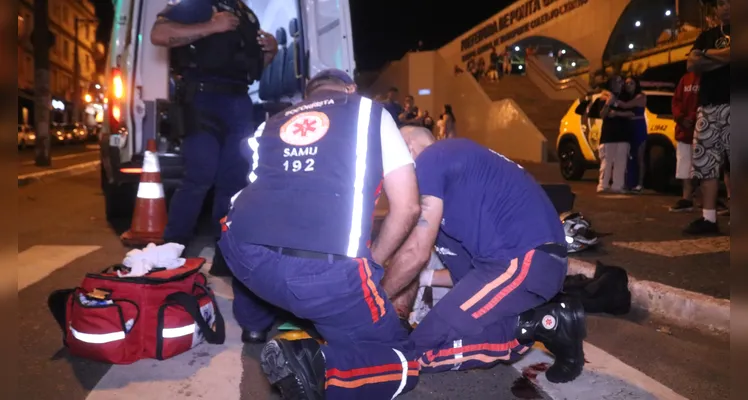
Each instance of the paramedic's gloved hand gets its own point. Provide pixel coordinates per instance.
(224, 21)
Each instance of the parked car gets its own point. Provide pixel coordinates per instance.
(26, 136)
(579, 140)
(59, 135)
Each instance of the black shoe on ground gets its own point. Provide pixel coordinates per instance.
(254, 336)
(702, 227)
(682, 205)
(295, 367)
(560, 325)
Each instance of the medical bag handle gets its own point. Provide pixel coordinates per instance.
(190, 304)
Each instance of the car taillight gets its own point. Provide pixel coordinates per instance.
(115, 100)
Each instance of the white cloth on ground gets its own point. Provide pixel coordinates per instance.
(152, 256)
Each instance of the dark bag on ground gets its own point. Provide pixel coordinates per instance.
(606, 292)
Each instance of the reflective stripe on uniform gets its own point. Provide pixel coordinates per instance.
(404, 379)
(97, 338)
(362, 148)
(254, 145)
(169, 333)
(150, 190)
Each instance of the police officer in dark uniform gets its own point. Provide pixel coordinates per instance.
(217, 51)
(317, 169)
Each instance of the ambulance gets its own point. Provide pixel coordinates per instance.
(312, 34)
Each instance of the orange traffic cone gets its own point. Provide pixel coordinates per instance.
(149, 218)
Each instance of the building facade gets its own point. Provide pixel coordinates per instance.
(62, 20)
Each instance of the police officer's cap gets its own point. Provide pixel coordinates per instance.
(332, 73)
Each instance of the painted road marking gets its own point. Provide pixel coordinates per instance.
(604, 377)
(59, 170)
(208, 371)
(37, 262)
(65, 157)
(678, 248)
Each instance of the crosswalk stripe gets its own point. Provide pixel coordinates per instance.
(679, 248)
(37, 262)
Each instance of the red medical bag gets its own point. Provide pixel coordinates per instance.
(121, 320)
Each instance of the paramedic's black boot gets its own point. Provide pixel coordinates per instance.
(295, 367)
(254, 336)
(560, 325)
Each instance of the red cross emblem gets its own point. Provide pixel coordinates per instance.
(304, 127)
(549, 322)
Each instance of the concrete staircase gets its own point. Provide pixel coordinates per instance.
(545, 113)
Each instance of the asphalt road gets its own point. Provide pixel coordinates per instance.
(640, 235)
(62, 156)
(67, 213)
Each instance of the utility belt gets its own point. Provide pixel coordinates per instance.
(308, 254)
(183, 113)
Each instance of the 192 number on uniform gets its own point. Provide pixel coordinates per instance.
(299, 165)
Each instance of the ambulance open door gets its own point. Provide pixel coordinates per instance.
(327, 35)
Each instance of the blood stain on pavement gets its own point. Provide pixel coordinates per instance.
(524, 387)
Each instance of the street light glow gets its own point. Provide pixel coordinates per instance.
(638, 24)
(87, 98)
(631, 46)
(516, 48)
(98, 86)
(573, 64)
(667, 13)
(558, 68)
(521, 66)
(563, 51)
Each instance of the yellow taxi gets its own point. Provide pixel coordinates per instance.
(579, 139)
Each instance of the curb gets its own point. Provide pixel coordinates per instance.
(71, 170)
(681, 307)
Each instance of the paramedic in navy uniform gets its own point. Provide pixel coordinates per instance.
(218, 49)
(505, 295)
(298, 238)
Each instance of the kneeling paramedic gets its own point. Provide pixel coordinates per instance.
(505, 298)
(317, 170)
(217, 51)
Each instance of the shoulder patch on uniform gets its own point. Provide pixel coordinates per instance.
(305, 128)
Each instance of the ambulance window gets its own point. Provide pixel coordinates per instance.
(329, 33)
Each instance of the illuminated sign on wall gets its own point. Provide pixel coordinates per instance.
(531, 14)
(424, 92)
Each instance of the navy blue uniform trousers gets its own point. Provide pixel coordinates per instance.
(213, 150)
(475, 324)
(368, 354)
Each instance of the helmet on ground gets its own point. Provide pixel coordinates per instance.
(578, 231)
